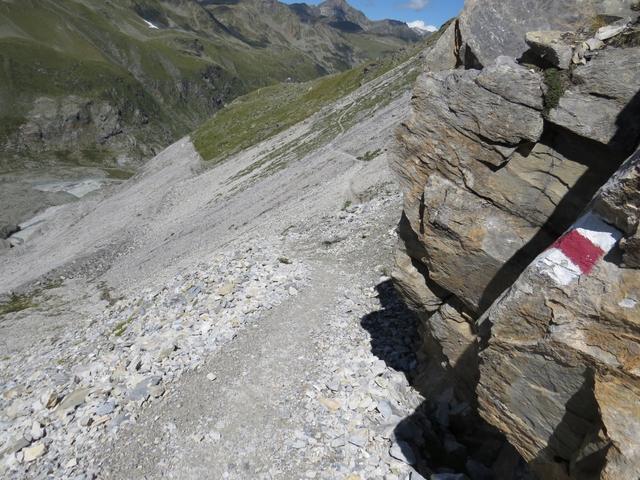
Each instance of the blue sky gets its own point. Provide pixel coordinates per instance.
(431, 12)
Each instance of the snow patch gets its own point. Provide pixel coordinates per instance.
(150, 25)
(421, 26)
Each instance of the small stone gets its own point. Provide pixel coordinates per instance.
(14, 445)
(86, 421)
(156, 391)
(34, 452)
(293, 291)
(226, 289)
(594, 44)
(299, 444)
(610, 31)
(211, 377)
(359, 438)
(12, 393)
(73, 400)
(105, 409)
(331, 405)
(337, 442)
(36, 432)
(333, 385)
(49, 399)
(100, 420)
(17, 409)
(403, 452)
(385, 409)
(141, 392)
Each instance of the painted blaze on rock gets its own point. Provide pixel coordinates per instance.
(561, 373)
(577, 252)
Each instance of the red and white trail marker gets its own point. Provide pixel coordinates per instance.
(578, 251)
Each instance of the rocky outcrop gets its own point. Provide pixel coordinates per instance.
(501, 156)
(86, 130)
(491, 28)
(561, 375)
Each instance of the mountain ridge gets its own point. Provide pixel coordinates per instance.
(114, 83)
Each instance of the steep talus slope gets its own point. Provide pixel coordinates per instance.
(501, 157)
(106, 83)
(172, 265)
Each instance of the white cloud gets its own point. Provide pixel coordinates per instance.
(420, 25)
(416, 4)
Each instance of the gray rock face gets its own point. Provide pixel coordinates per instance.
(553, 46)
(69, 123)
(444, 54)
(491, 179)
(604, 103)
(491, 28)
(588, 116)
(558, 377)
(613, 73)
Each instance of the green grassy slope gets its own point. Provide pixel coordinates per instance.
(158, 84)
(266, 112)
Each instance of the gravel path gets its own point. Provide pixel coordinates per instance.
(300, 393)
(220, 322)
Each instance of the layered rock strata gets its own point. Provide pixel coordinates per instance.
(561, 374)
(508, 146)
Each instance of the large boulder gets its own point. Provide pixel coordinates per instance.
(496, 162)
(561, 375)
(490, 28)
(484, 190)
(603, 104)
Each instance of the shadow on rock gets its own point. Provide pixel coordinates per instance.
(444, 438)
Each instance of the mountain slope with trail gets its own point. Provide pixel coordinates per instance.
(173, 265)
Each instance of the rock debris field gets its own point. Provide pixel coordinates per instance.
(255, 362)
(218, 324)
(225, 322)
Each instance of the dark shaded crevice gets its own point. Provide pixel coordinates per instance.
(445, 435)
(627, 135)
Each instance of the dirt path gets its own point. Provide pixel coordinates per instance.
(253, 403)
(296, 394)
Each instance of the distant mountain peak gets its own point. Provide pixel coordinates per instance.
(421, 27)
(341, 10)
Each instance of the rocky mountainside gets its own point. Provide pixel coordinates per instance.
(260, 260)
(235, 309)
(111, 83)
(521, 265)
